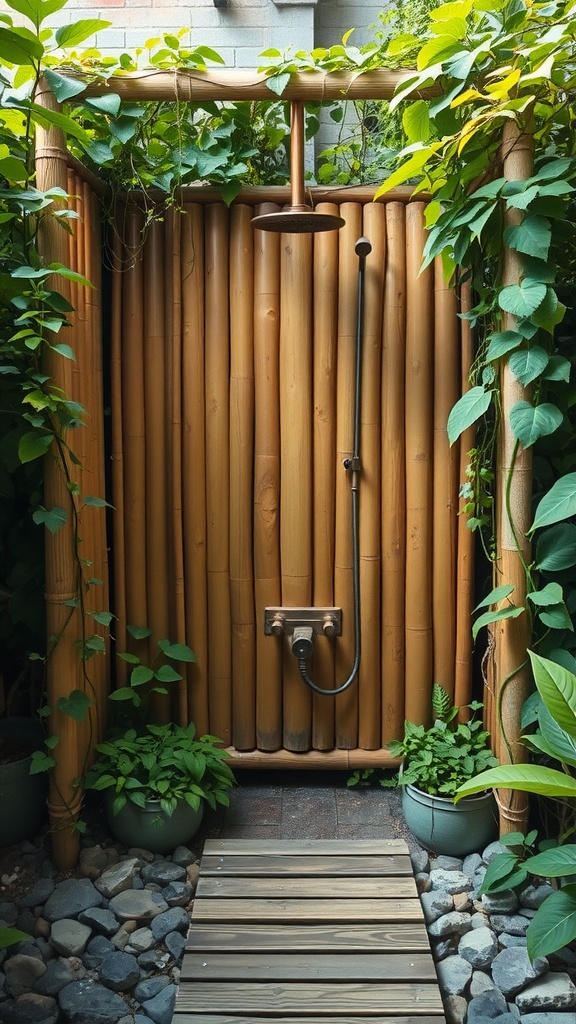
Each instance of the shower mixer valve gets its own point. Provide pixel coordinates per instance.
(280, 621)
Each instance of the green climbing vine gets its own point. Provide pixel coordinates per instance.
(487, 64)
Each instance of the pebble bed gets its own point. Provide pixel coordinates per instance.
(106, 946)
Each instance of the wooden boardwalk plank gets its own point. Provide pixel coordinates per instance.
(304, 888)
(198, 1018)
(309, 998)
(313, 966)
(306, 847)
(295, 932)
(325, 866)
(338, 938)
(314, 911)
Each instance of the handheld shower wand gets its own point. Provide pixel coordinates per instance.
(353, 465)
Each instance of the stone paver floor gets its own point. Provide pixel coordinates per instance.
(307, 805)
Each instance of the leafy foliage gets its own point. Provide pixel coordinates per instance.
(165, 763)
(554, 924)
(437, 760)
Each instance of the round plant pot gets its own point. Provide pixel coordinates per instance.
(442, 826)
(22, 796)
(150, 828)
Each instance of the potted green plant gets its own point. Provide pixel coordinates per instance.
(157, 783)
(157, 778)
(435, 762)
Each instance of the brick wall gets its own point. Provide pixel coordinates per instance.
(238, 32)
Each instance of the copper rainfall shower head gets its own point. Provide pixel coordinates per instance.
(298, 217)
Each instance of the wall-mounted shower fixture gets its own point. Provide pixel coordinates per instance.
(303, 623)
(298, 217)
(284, 621)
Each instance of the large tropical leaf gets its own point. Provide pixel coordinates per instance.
(556, 548)
(529, 778)
(554, 924)
(557, 687)
(529, 422)
(473, 404)
(558, 862)
(559, 503)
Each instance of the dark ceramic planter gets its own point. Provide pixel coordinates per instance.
(442, 826)
(22, 796)
(150, 828)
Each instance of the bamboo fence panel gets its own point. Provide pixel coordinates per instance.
(346, 726)
(257, 415)
(465, 537)
(120, 561)
(295, 466)
(369, 688)
(393, 494)
(157, 450)
(194, 462)
(241, 477)
(267, 586)
(419, 452)
(325, 465)
(133, 433)
(217, 372)
(173, 264)
(100, 591)
(445, 482)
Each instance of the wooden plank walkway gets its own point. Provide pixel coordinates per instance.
(292, 932)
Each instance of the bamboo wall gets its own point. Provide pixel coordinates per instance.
(232, 403)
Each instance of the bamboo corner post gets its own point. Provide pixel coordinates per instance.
(64, 668)
(514, 497)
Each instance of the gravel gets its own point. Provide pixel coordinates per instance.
(106, 946)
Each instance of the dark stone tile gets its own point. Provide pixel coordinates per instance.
(250, 832)
(361, 806)
(385, 830)
(309, 814)
(253, 807)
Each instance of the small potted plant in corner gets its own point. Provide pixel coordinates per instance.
(157, 778)
(435, 762)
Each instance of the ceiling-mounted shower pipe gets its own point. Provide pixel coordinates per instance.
(298, 217)
(353, 466)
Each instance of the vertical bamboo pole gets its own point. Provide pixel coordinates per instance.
(155, 402)
(218, 470)
(369, 689)
(79, 337)
(241, 481)
(134, 430)
(393, 475)
(324, 361)
(63, 667)
(99, 592)
(296, 465)
(118, 500)
(174, 385)
(445, 482)
(419, 399)
(267, 481)
(194, 461)
(347, 703)
(465, 565)
(515, 494)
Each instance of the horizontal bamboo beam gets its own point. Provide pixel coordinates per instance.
(253, 194)
(246, 84)
(324, 760)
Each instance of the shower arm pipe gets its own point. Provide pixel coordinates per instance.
(296, 153)
(362, 249)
